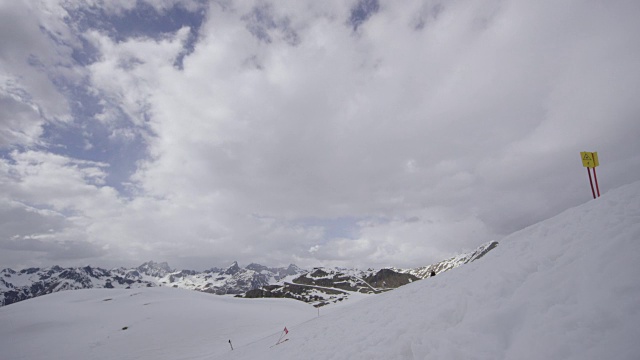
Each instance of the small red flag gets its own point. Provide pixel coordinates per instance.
(285, 330)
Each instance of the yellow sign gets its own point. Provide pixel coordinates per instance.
(589, 159)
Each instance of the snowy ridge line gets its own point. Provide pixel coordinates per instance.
(20, 285)
(451, 263)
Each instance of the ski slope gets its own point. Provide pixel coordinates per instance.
(150, 323)
(566, 288)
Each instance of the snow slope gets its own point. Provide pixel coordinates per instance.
(161, 323)
(566, 288)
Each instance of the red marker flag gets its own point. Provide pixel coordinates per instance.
(282, 337)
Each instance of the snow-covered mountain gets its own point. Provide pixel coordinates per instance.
(28, 283)
(319, 286)
(154, 269)
(566, 288)
(232, 280)
(323, 286)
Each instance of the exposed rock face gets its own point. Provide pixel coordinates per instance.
(233, 269)
(256, 267)
(155, 269)
(324, 286)
(310, 294)
(387, 278)
(335, 279)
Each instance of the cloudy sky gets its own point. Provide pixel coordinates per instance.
(361, 133)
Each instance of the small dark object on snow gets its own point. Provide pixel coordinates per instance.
(433, 273)
(230, 344)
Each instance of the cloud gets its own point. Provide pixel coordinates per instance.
(366, 133)
(33, 236)
(30, 63)
(21, 123)
(127, 71)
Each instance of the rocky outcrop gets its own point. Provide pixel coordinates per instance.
(323, 286)
(389, 279)
(318, 296)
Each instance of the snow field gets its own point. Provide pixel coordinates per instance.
(162, 323)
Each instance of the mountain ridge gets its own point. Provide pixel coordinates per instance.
(319, 286)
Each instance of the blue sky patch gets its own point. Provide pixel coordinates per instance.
(262, 24)
(141, 21)
(362, 11)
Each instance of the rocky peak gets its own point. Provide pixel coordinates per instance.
(233, 269)
(8, 271)
(90, 272)
(30, 271)
(256, 267)
(155, 269)
(318, 272)
(292, 270)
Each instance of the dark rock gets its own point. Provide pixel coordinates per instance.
(231, 270)
(387, 278)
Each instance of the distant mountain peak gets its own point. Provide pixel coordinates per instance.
(256, 267)
(292, 269)
(155, 269)
(233, 269)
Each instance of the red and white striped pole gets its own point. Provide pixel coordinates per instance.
(591, 182)
(595, 178)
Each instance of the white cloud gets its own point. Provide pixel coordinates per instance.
(30, 61)
(20, 124)
(127, 71)
(438, 125)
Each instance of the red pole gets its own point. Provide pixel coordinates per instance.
(591, 183)
(596, 180)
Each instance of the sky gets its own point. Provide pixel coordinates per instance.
(360, 133)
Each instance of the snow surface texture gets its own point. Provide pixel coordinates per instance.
(151, 323)
(566, 288)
